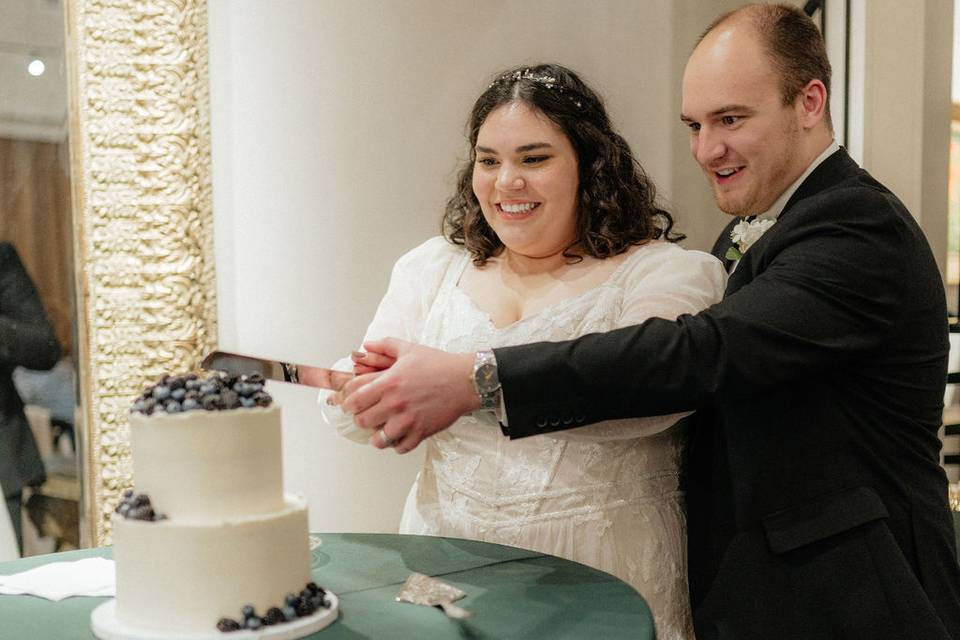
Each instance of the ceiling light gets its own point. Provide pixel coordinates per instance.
(36, 67)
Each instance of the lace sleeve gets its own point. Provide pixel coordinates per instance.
(666, 282)
(414, 282)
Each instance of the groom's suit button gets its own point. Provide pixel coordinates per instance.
(580, 419)
(554, 421)
(541, 422)
(568, 420)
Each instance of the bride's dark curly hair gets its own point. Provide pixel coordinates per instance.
(617, 204)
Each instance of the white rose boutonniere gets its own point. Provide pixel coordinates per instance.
(744, 234)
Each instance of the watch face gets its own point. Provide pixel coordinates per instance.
(486, 377)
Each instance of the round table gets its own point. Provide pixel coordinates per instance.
(512, 593)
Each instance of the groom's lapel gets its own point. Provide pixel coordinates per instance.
(723, 243)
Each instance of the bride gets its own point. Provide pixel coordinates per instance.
(553, 232)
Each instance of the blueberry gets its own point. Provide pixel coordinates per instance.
(247, 403)
(127, 493)
(289, 613)
(173, 406)
(253, 623)
(228, 624)
(290, 600)
(193, 384)
(178, 394)
(190, 404)
(207, 388)
(161, 392)
(124, 509)
(273, 616)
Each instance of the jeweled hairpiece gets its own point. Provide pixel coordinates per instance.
(549, 82)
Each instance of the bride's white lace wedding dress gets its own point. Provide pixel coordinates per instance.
(605, 495)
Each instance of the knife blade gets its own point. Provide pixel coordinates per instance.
(240, 364)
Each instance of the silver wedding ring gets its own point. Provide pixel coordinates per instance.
(385, 439)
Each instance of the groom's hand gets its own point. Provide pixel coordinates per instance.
(423, 392)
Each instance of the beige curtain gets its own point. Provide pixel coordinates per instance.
(35, 217)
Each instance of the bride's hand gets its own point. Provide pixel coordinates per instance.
(370, 361)
(424, 392)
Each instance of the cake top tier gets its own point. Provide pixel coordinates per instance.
(191, 392)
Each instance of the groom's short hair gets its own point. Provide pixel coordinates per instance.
(794, 45)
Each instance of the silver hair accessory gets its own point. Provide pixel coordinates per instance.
(549, 82)
(526, 74)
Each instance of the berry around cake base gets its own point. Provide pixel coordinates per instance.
(106, 626)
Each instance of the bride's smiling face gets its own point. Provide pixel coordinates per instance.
(526, 180)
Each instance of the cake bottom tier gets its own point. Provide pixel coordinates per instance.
(185, 576)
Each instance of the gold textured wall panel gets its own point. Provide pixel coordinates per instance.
(140, 145)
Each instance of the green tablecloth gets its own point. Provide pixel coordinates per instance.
(513, 593)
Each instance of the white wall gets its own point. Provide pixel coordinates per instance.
(337, 127)
(336, 130)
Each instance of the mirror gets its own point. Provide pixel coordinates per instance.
(35, 218)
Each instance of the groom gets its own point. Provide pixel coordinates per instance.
(817, 508)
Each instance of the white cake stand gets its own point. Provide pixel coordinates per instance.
(105, 626)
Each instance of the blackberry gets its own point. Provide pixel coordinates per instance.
(211, 402)
(273, 616)
(230, 399)
(228, 624)
(303, 607)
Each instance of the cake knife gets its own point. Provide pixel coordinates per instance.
(239, 364)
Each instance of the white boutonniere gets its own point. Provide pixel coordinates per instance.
(744, 234)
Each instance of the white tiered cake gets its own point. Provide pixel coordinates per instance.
(227, 536)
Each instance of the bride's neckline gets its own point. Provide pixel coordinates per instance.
(552, 307)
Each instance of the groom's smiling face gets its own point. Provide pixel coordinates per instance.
(742, 135)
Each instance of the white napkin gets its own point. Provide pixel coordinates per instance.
(59, 580)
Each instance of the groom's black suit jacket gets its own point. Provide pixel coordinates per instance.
(816, 504)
